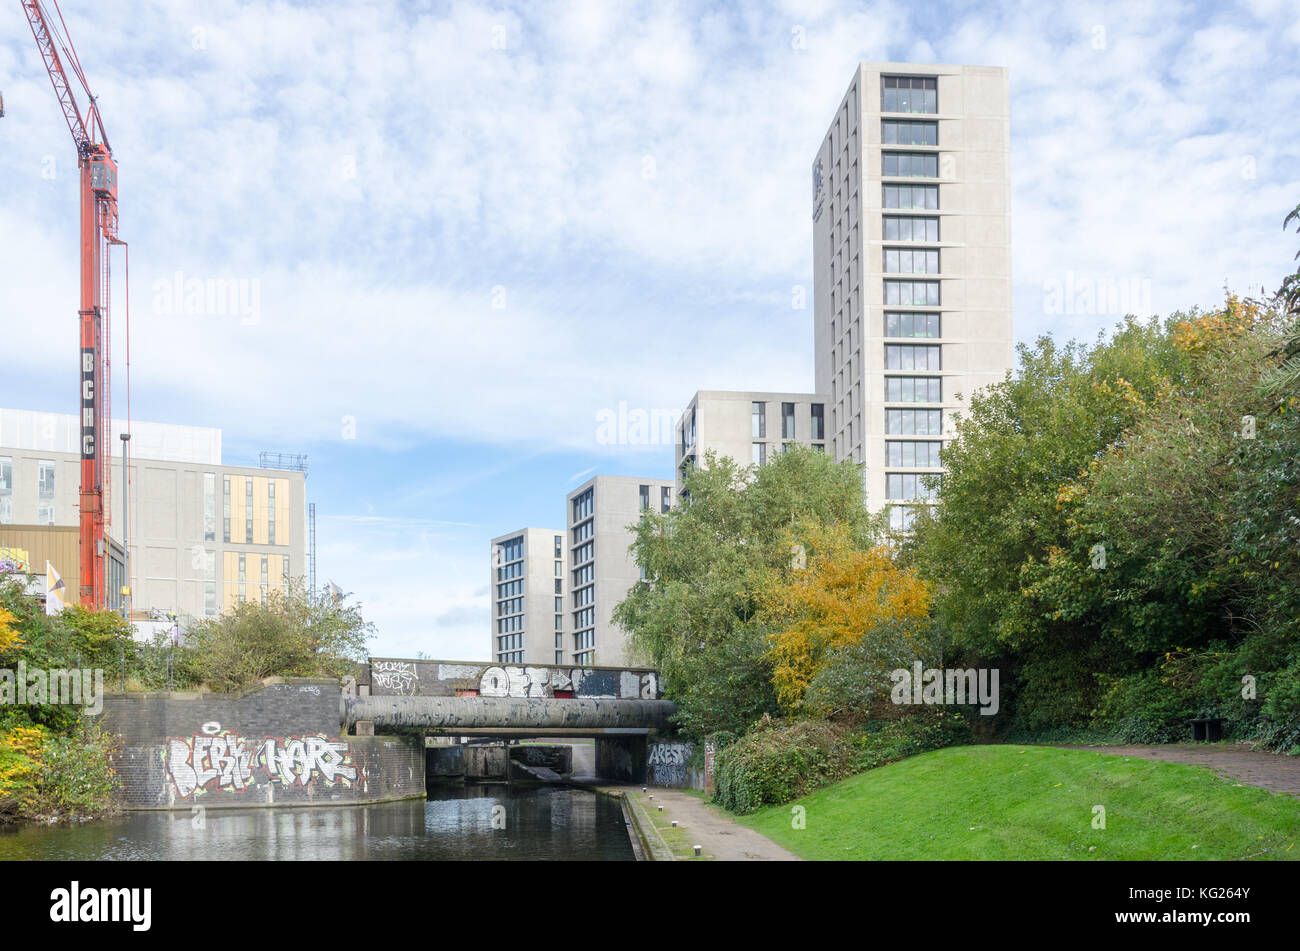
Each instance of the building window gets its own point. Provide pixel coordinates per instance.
(920, 197)
(912, 293)
(225, 498)
(645, 497)
(909, 94)
(45, 492)
(912, 325)
(909, 132)
(243, 578)
(909, 164)
(787, 421)
(759, 453)
(210, 582)
(911, 260)
(911, 485)
(266, 578)
(559, 585)
(913, 389)
(270, 511)
(584, 505)
(559, 569)
(818, 420)
(911, 228)
(248, 510)
(758, 420)
(912, 356)
(912, 454)
(559, 546)
(914, 422)
(665, 498)
(901, 518)
(6, 490)
(209, 507)
(559, 604)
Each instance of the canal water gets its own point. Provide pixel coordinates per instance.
(457, 822)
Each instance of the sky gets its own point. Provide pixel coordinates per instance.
(462, 234)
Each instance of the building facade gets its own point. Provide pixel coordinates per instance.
(912, 267)
(601, 512)
(202, 537)
(749, 427)
(528, 582)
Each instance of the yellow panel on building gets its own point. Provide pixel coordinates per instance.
(282, 511)
(259, 510)
(238, 534)
(230, 580)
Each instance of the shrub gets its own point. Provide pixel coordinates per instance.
(886, 741)
(76, 780)
(778, 761)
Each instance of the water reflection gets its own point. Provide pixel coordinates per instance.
(456, 823)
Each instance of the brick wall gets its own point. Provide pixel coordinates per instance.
(271, 745)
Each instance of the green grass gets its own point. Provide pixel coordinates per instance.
(1035, 802)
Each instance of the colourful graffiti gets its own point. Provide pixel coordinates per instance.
(229, 762)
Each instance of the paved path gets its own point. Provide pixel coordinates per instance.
(720, 837)
(1236, 760)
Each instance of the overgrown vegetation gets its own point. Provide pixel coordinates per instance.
(1117, 534)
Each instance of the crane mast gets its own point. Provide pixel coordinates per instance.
(98, 209)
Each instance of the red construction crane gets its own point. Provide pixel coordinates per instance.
(98, 232)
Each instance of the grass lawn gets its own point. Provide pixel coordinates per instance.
(1036, 802)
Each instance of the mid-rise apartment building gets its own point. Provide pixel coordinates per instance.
(912, 267)
(601, 569)
(749, 427)
(202, 537)
(528, 580)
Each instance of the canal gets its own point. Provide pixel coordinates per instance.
(457, 822)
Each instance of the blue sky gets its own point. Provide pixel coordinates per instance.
(469, 229)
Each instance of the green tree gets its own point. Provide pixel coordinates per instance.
(707, 564)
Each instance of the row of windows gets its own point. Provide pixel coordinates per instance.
(919, 454)
(584, 596)
(909, 164)
(758, 421)
(912, 293)
(911, 228)
(586, 617)
(911, 485)
(913, 356)
(584, 531)
(44, 491)
(584, 505)
(510, 657)
(909, 94)
(510, 642)
(665, 498)
(913, 389)
(508, 624)
(510, 589)
(583, 553)
(512, 550)
(911, 325)
(515, 570)
(909, 132)
(901, 517)
(512, 606)
(584, 640)
(914, 422)
(921, 197)
(911, 260)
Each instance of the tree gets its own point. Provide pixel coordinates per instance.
(835, 597)
(297, 633)
(707, 562)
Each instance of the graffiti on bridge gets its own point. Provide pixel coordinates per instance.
(396, 675)
(230, 762)
(666, 764)
(577, 681)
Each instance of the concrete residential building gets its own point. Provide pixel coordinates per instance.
(203, 535)
(748, 427)
(528, 596)
(912, 266)
(601, 569)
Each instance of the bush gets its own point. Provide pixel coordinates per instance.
(886, 741)
(76, 780)
(779, 761)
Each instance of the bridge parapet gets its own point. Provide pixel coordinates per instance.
(474, 714)
(405, 677)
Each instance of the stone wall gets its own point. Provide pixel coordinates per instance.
(275, 744)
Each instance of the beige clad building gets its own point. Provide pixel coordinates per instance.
(749, 427)
(912, 266)
(601, 569)
(202, 535)
(528, 580)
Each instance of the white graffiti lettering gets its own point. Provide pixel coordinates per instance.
(228, 762)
